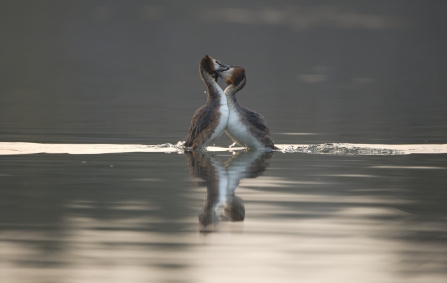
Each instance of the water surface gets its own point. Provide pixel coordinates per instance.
(111, 217)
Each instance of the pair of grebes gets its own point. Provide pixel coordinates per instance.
(223, 113)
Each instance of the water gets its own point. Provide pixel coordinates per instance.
(354, 94)
(140, 217)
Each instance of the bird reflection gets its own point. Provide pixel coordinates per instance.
(221, 181)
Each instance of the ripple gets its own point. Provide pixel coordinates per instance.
(341, 149)
(18, 148)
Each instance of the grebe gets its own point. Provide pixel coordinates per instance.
(245, 127)
(210, 120)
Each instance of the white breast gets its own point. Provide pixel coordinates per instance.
(239, 132)
(223, 120)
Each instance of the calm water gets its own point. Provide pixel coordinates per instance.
(127, 73)
(141, 217)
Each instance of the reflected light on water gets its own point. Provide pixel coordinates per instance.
(408, 167)
(330, 222)
(351, 245)
(16, 148)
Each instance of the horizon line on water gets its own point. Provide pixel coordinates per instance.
(20, 148)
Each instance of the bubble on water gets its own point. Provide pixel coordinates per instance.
(337, 149)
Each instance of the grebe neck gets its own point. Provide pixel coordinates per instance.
(213, 88)
(232, 89)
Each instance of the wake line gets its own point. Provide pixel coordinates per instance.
(18, 148)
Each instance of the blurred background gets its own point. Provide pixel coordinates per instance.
(127, 71)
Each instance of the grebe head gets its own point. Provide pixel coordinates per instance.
(210, 65)
(234, 76)
(213, 66)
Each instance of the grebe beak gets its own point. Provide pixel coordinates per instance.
(226, 73)
(222, 67)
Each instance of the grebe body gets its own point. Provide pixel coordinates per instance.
(210, 120)
(245, 127)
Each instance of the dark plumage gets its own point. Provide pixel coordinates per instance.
(203, 124)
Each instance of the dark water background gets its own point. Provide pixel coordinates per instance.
(127, 72)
